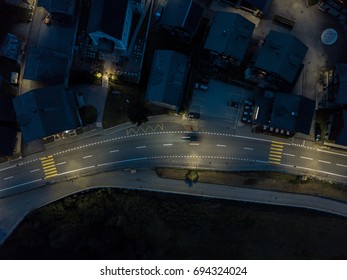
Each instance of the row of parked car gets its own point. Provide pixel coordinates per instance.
(247, 112)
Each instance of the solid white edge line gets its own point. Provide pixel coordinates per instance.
(23, 184)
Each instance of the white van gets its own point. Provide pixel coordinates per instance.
(14, 78)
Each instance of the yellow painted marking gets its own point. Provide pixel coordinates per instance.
(275, 152)
(159, 126)
(47, 164)
(275, 156)
(274, 159)
(274, 162)
(50, 176)
(276, 149)
(276, 142)
(49, 167)
(276, 146)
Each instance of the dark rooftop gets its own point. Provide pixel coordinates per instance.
(230, 34)
(184, 14)
(11, 47)
(46, 66)
(342, 137)
(167, 79)
(342, 83)
(262, 5)
(282, 54)
(58, 6)
(107, 16)
(293, 113)
(46, 111)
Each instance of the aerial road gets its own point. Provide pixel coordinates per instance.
(169, 144)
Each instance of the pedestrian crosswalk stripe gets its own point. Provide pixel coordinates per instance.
(49, 167)
(275, 154)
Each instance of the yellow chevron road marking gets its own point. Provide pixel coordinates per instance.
(146, 129)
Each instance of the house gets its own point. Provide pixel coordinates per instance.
(11, 47)
(110, 22)
(46, 66)
(336, 8)
(167, 79)
(182, 18)
(66, 7)
(256, 7)
(8, 127)
(138, 5)
(292, 113)
(228, 38)
(278, 63)
(46, 111)
(341, 83)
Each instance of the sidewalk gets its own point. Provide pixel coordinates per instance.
(146, 179)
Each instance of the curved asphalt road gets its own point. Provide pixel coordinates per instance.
(161, 142)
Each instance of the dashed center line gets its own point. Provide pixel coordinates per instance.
(308, 158)
(194, 144)
(247, 148)
(61, 163)
(289, 155)
(88, 156)
(167, 145)
(140, 147)
(8, 178)
(220, 145)
(342, 165)
(35, 170)
(323, 161)
(114, 151)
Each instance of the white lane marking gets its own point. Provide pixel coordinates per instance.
(247, 148)
(140, 147)
(23, 184)
(88, 156)
(167, 145)
(323, 161)
(61, 163)
(7, 168)
(8, 178)
(342, 165)
(258, 139)
(308, 158)
(35, 170)
(194, 144)
(220, 145)
(328, 152)
(114, 151)
(290, 155)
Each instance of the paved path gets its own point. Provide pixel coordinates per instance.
(13, 210)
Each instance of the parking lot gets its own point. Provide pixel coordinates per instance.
(220, 101)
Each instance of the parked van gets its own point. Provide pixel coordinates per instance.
(159, 12)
